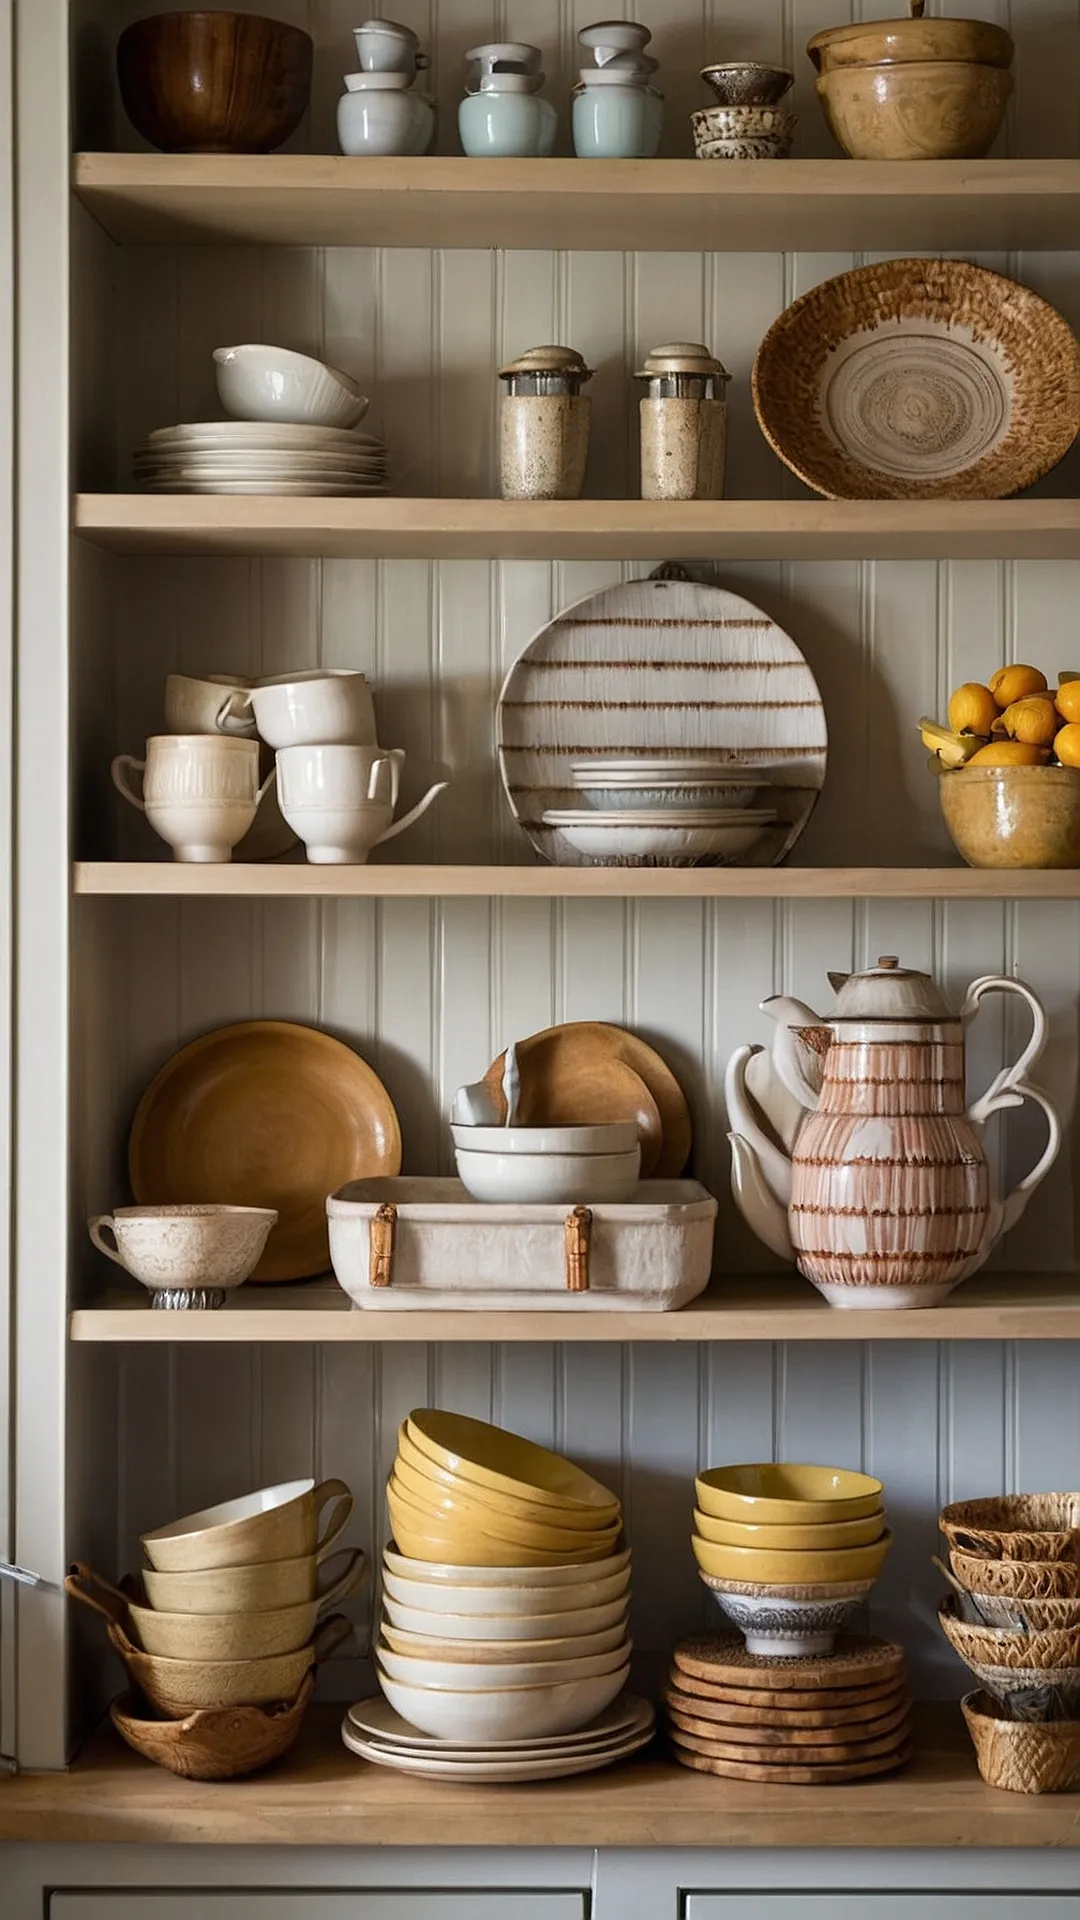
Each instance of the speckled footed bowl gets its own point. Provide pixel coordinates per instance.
(1013, 816)
(791, 1629)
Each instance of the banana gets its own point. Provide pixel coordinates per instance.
(950, 749)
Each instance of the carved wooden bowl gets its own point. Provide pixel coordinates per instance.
(214, 82)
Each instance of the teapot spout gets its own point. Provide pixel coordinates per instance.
(758, 1207)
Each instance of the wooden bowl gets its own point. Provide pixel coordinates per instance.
(1013, 816)
(214, 82)
(218, 1745)
(915, 110)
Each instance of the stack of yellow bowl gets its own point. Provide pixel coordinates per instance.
(505, 1592)
(790, 1551)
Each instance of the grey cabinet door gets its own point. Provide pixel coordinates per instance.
(420, 1903)
(914, 1905)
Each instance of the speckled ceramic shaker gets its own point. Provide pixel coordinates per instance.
(544, 428)
(683, 424)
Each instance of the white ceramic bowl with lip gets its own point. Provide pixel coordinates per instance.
(214, 703)
(507, 1713)
(443, 1575)
(478, 1677)
(184, 1247)
(340, 800)
(257, 382)
(548, 1179)
(507, 1603)
(660, 838)
(273, 1523)
(620, 1137)
(321, 707)
(570, 1626)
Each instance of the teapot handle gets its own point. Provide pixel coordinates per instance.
(1010, 1088)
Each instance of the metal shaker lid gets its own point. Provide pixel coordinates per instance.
(550, 360)
(682, 357)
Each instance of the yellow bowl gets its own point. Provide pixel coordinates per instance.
(449, 1511)
(415, 1469)
(825, 1535)
(1013, 816)
(784, 1492)
(504, 1461)
(467, 1544)
(791, 1569)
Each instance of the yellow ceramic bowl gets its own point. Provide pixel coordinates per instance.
(825, 1535)
(415, 1469)
(783, 1492)
(504, 1461)
(450, 1511)
(462, 1542)
(791, 1569)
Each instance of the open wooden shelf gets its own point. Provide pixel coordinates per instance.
(321, 1795)
(168, 878)
(323, 200)
(398, 528)
(758, 1307)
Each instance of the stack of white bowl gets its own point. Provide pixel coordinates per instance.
(653, 811)
(292, 431)
(504, 1601)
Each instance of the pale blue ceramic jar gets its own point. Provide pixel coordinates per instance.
(616, 116)
(503, 124)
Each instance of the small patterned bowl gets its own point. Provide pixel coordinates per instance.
(748, 83)
(743, 133)
(774, 1625)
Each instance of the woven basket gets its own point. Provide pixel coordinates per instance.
(1005, 1646)
(1031, 1616)
(1022, 1526)
(1017, 1579)
(1019, 1756)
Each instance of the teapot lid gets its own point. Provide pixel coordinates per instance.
(889, 992)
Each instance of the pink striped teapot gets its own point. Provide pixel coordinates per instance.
(852, 1151)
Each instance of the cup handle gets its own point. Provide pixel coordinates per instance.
(407, 819)
(82, 1583)
(270, 781)
(122, 761)
(97, 1228)
(329, 1636)
(339, 1519)
(346, 1582)
(234, 714)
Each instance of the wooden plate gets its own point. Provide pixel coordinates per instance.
(823, 1699)
(723, 1713)
(586, 1073)
(792, 1775)
(773, 1739)
(917, 380)
(264, 1114)
(855, 1658)
(666, 668)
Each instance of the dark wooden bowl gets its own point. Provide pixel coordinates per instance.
(214, 82)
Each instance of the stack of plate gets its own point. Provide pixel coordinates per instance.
(653, 812)
(814, 1722)
(375, 1732)
(238, 456)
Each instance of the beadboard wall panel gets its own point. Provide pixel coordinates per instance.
(428, 991)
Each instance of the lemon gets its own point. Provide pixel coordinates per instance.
(1068, 700)
(1034, 721)
(1015, 683)
(972, 709)
(1067, 745)
(1009, 753)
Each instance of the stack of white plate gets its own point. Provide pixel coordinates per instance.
(241, 456)
(664, 812)
(375, 1732)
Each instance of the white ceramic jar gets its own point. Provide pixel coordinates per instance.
(616, 115)
(544, 425)
(683, 423)
(378, 114)
(503, 116)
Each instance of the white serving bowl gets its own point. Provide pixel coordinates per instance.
(515, 1602)
(481, 1625)
(620, 1137)
(505, 1713)
(654, 839)
(481, 1677)
(625, 797)
(445, 1574)
(257, 382)
(427, 1646)
(538, 1179)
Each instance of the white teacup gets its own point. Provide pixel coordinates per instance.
(188, 1256)
(218, 703)
(328, 706)
(341, 799)
(200, 792)
(385, 46)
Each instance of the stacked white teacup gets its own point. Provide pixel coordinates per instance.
(379, 112)
(336, 787)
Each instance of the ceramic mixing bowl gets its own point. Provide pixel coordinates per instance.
(915, 110)
(474, 1543)
(785, 1492)
(478, 1677)
(569, 1623)
(791, 1569)
(508, 1713)
(548, 1179)
(826, 1534)
(257, 382)
(503, 1653)
(1013, 816)
(506, 1462)
(442, 1576)
(465, 1516)
(510, 1600)
(440, 1479)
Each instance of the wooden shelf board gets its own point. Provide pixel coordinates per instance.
(324, 200)
(761, 1307)
(321, 1795)
(164, 878)
(394, 528)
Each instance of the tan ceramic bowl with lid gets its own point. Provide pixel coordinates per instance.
(867, 42)
(915, 110)
(1013, 816)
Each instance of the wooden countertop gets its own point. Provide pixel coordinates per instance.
(322, 1796)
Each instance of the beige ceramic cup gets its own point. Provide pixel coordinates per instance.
(184, 1247)
(200, 792)
(266, 1588)
(216, 703)
(273, 1523)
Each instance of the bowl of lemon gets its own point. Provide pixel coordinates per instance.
(1009, 766)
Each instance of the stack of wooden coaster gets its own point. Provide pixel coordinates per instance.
(802, 1722)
